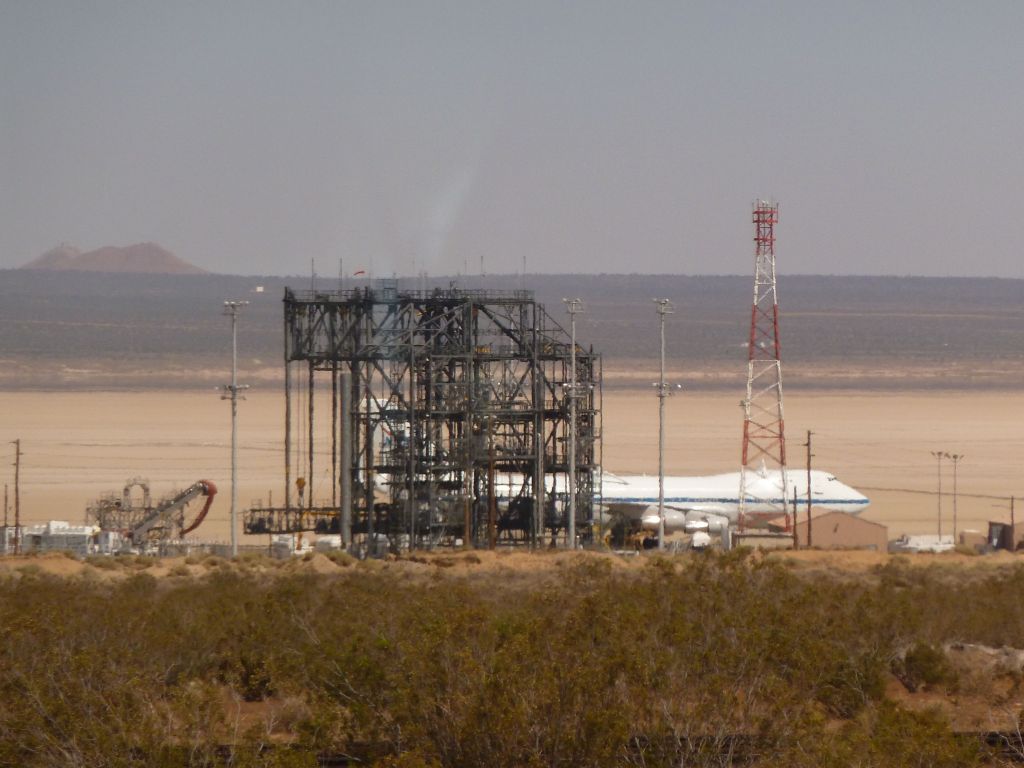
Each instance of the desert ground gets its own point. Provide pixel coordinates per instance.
(79, 445)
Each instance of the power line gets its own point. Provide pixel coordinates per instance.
(920, 492)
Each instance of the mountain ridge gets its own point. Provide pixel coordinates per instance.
(138, 258)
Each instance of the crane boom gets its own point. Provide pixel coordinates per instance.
(163, 514)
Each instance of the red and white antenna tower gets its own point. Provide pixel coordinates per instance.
(763, 474)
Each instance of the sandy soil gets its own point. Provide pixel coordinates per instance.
(78, 445)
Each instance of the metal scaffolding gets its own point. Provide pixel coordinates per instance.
(448, 420)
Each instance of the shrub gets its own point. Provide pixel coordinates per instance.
(924, 665)
(104, 562)
(340, 557)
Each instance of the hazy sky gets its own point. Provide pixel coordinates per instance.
(586, 136)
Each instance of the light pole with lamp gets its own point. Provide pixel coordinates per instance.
(231, 393)
(664, 307)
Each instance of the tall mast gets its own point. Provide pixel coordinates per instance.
(763, 482)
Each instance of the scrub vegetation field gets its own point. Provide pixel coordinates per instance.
(471, 659)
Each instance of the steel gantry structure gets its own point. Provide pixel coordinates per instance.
(449, 419)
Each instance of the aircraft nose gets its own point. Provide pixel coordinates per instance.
(856, 496)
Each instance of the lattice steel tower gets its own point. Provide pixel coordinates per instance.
(763, 483)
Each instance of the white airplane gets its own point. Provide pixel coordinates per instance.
(711, 503)
(707, 504)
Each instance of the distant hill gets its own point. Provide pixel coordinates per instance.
(142, 258)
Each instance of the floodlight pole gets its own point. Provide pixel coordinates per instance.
(231, 309)
(573, 306)
(664, 307)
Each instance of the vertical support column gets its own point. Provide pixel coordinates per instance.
(410, 447)
(468, 438)
(345, 524)
(573, 306)
(287, 424)
(334, 433)
(310, 483)
(369, 479)
(432, 437)
(492, 499)
(538, 435)
(599, 426)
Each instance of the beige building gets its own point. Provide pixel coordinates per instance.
(838, 530)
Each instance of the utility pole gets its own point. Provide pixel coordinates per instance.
(17, 496)
(796, 536)
(573, 306)
(231, 309)
(809, 457)
(664, 307)
(955, 458)
(1013, 528)
(938, 458)
(6, 505)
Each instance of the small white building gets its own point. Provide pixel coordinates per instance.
(57, 536)
(7, 539)
(327, 543)
(287, 545)
(925, 542)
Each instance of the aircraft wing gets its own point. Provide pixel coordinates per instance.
(627, 509)
(635, 509)
(701, 508)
